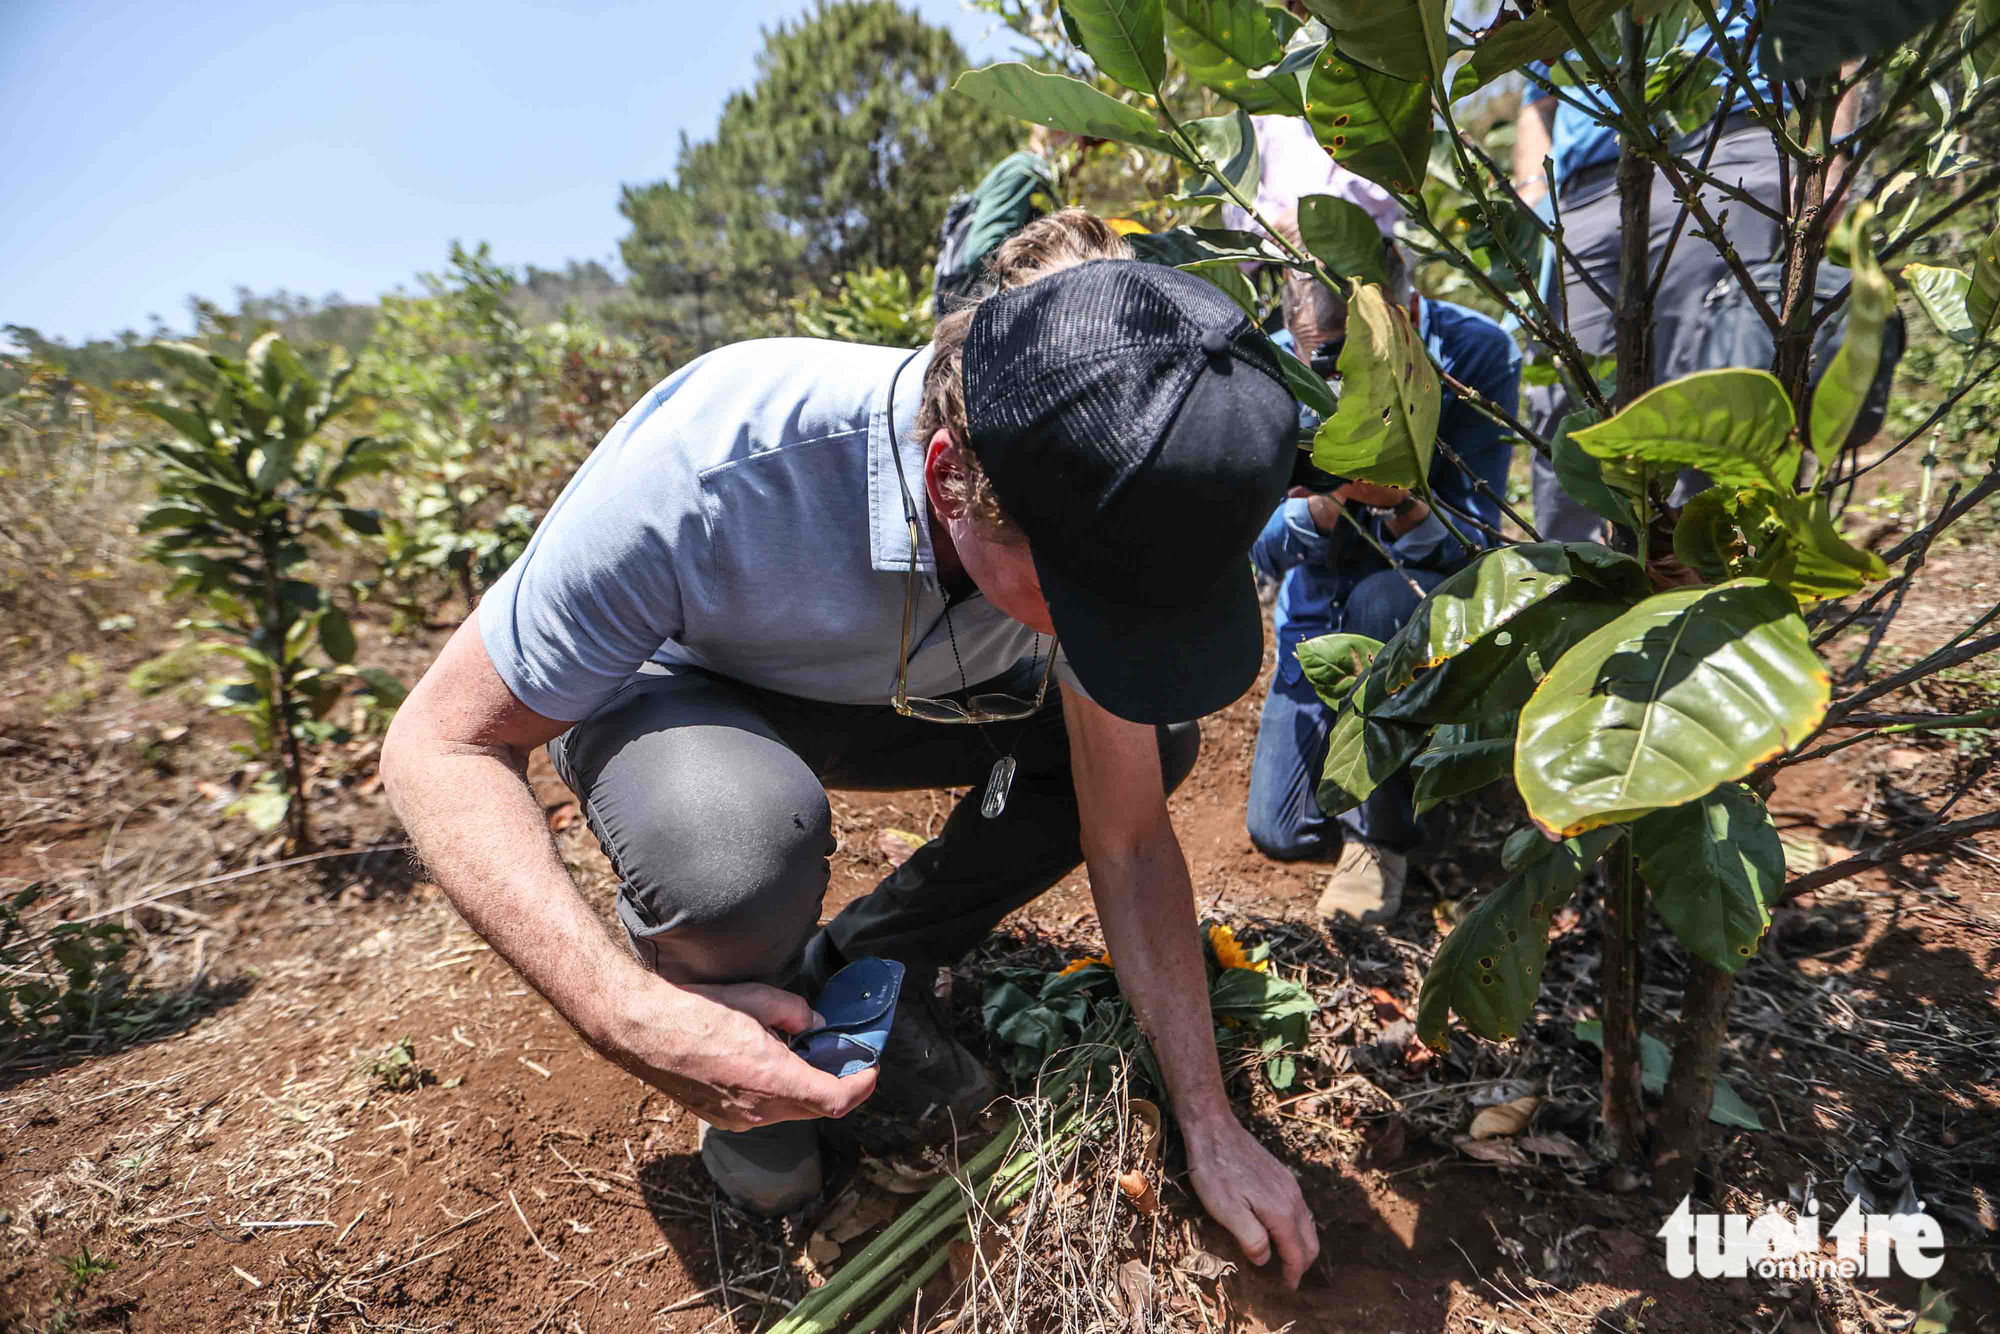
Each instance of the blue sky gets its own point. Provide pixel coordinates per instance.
(152, 150)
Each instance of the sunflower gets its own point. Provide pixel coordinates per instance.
(1082, 964)
(1229, 954)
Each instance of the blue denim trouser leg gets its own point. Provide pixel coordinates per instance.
(1284, 817)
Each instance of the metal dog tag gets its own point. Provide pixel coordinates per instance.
(997, 786)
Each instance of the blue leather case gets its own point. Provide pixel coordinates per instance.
(858, 1004)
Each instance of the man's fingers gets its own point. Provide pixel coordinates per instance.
(1290, 1225)
(769, 1006)
(1235, 1214)
(826, 1095)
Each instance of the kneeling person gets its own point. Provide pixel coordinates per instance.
(792, 567)
(1359, 558)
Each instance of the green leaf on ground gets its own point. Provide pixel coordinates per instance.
(1689, 690)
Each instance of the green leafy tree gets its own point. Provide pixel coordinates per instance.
(1641, 694)
(842, 155)
(249, 486)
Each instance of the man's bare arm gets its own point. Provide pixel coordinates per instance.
(1534, 136)
(1139, 880)
(455, 768)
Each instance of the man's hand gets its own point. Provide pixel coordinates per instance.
(1367, 493)
(711, 1049)
(1255, 1196)
(1324, 509)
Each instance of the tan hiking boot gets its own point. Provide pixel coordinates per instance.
(770, 1170)
(1366, 886)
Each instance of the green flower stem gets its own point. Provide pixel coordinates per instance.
(1984, 718)
(902, 1295)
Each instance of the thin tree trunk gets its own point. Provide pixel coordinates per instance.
(1619, 979)
(1683, 1125)
(1633, 320)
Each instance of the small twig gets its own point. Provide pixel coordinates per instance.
(147, 896)
(531, 1229)
(1935, 836)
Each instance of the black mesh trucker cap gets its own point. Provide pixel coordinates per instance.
(1137, 429)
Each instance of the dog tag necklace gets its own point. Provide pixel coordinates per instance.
(1000, 781)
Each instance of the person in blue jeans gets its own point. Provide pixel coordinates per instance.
(1332, 578)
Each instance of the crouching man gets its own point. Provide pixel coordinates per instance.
(1359, 558)
(1014, 560)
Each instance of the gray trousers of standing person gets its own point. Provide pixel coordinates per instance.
(709, 796)
(1744, 157)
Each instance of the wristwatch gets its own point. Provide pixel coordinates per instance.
(1395, 511)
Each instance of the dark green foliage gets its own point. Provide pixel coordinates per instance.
(842, 155)
(69, 986)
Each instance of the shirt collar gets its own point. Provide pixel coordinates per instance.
(888, 522)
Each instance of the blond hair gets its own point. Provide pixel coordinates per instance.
(1047, 245)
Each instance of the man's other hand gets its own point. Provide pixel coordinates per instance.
(1255, 1196)
(1367, 493)
(714, 1050)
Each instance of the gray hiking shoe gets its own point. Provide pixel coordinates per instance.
(1366, 886)
(770, 1170)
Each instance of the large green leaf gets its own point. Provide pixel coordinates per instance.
(1715, 867)
(1986, 31)
(1222, 41)
(1509, 45)
(336, 635)
(1342, 236)
(1333, 663)
(1405, 38)
(1942, 293)
(1843, 388)
(1462, 758)
(1230, 142)
(1063, 103)
(1982, 299)
(1609, 488)
(1805, 38)
(1735, 425)
(1489, 970)
(1687, 691)
(1797, 547)
(1386, 428)
(1176, 246)
(1124, 38)
(1361, 755)
(1373, 124)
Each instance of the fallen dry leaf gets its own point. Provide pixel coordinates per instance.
(1145, 1132)
(1628, 1244)
(871, 1212)
(1204, 1265)
(1387, 1007)
(898, 844)
(1501, 1151)
(1509, 1118)
(562, 816)
(1555, 1144)
(822, 1249)
(1140, 1191)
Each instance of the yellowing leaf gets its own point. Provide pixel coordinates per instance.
(1386, 426)
(1735, 425)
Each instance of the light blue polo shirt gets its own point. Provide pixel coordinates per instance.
(745, 518)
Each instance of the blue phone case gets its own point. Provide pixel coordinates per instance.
(858, 1004)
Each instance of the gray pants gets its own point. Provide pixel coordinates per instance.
(709, 797)
(1745, 158)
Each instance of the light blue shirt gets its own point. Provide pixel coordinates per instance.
(1577, 141)
(745, 518)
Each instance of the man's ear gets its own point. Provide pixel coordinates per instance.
(943, 464)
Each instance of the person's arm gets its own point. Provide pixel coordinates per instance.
(1844, 116)
(1294, 534)
(454, 766)
(1534, 136)
(1145, 902)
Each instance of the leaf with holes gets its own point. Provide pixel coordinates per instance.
(1489, 970)
(1715, 867)
(1687, 691)
(1405, 38)
(1222, 41)
(1735, 425)
(1333, 663)
(1373, 124)
(1386, 428)
(1063, 103)
(1124, 38)
(1843, 387)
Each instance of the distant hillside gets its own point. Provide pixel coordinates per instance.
(585, 288)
